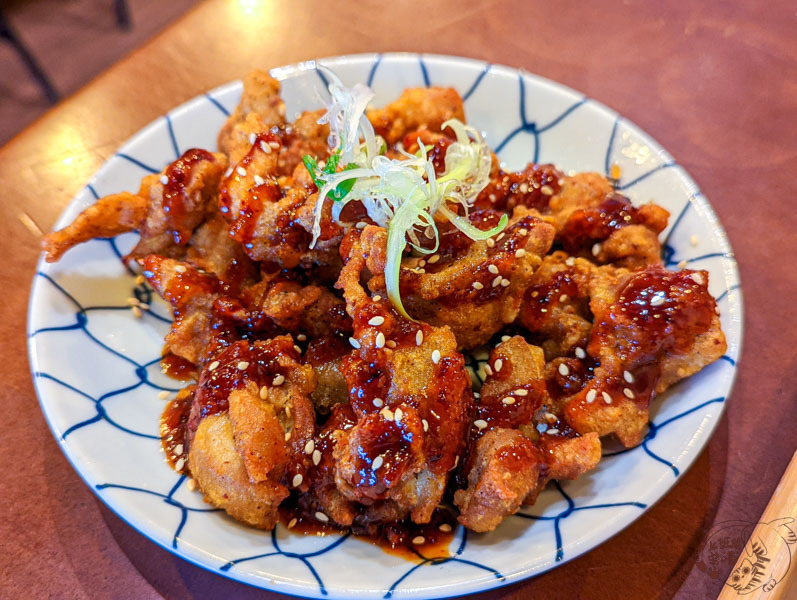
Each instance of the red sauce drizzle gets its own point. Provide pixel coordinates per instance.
(532, 187)
(173, 427)
(175, 201)
(178, 367)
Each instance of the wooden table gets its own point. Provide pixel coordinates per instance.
(715, 83)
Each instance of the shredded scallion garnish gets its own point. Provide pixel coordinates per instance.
(401, 195)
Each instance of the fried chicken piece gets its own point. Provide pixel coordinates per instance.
(416, 108)
(212, 250)
(261, 108)
(652, 328)
(109, 216)
(304, 136)
(325, 354)
(410, 393)
(518, 440)
(220, 472)
(191, 295)
(180, 198)
(555, 305)
(262, 391)
(473, 287)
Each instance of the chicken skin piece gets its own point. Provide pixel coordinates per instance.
(415, 108)
(652, 328)
(411, 397)
(518, 441)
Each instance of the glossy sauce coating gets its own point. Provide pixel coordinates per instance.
(173, 428)
(532, 187)
(175, 202)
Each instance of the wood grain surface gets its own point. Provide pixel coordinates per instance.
(714, 82)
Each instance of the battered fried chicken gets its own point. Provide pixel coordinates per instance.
(415, 108)
(652, 328)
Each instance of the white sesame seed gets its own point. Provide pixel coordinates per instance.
(164, 180)
(564, 298)
(252, 139)
(398, 415)
(278, 380)
(542, 427)
(163, 395)
(213, 366)
(477, 395)
(265, 147)
(488, 370)
(377, 463)
(550, 417)
(140, 279)
(433, 259)
(520, 253)
(580, 353)
(316, 457)
(694, 240)
(191, 485)
(606, 397)
(418, 540)
(242, 365)
(180, 269)
(490, 243)
(297, 348)
(480, 423)
(596, 249)
(504, 283)
(386, 413)
(292, 523)
(547, 190)
(477, 285)
(288, 436)
(493, 269)
(500, 237)
(425, 424)
(523, 232)
(505, 338)
(521, 392)
(419, 338)
(297, 480)
(380, 340)
(628, 393)
(435, 356)
(570, 261)
(493, 197)
(591, 396)
(508, 400)
(178, 449)
(361, 225)
(498, 364)
(241, 171)
(543, 310)
(445, 527)
(354, 342)
(564, 370)
(552, 431)
(657, 300)
(322, 517)
(309, 447)
(376, 321)
(178, 466)
(259, 180)
(497, 281)
(274, 145)
(628, 377)
(698, 278)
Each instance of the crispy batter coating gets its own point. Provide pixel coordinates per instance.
(109, 216)
(220, 472)
(416, 108)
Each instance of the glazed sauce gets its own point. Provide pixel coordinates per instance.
(178, 367)
(532, 187)
(439, 146)
(176, 203)
(261, 366)
(173, 428)
(594, 224)
(540, 300)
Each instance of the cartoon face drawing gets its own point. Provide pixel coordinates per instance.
(754, 570)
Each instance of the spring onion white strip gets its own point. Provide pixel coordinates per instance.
(403, 195)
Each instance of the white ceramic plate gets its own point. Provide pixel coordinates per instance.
(96, 368)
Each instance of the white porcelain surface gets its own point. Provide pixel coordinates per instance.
(97, 376)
